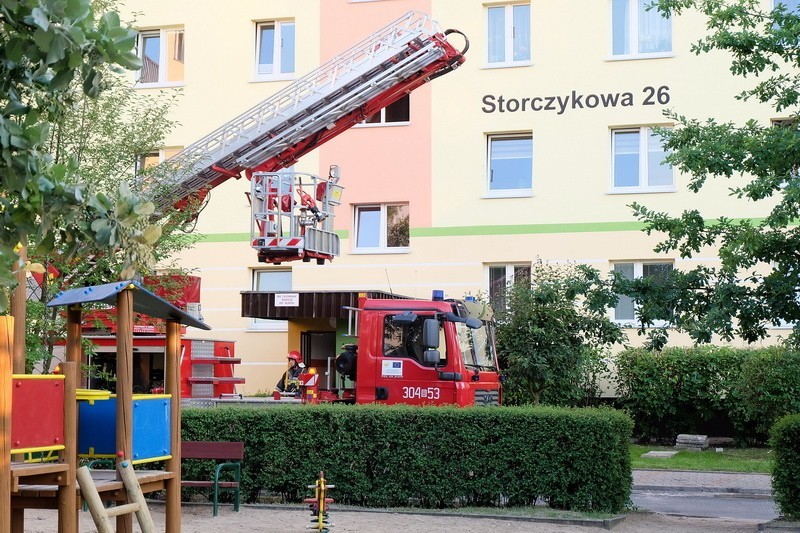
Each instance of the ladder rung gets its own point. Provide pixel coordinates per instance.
(123, 509)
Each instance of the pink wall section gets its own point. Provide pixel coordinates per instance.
(378, 164)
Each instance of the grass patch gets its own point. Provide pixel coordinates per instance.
(751, 460)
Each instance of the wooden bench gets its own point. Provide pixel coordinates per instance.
(231, 455)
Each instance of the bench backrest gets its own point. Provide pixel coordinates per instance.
(212, 450)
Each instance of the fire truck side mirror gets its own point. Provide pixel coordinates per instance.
(430, 333)
(431, 357)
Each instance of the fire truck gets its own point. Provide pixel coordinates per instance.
(391, 349)
(405, 351)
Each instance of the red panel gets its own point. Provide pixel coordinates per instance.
(37, 413)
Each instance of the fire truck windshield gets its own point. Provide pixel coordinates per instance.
(477, 346)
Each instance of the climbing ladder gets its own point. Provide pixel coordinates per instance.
(102, 515)
(271, 136)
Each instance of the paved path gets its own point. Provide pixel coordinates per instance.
(717, 482)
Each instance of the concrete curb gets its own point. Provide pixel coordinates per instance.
(725, 491)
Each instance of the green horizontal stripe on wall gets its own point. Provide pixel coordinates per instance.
(467, 231)
(526, 229)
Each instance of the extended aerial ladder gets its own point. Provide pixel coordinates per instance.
(293, 214)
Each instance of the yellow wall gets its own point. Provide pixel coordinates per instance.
(437, 163)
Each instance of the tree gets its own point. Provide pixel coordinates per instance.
(757, 283)
(554, 332)
(44, 46)
(104, 137)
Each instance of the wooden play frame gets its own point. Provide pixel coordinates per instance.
(54, 485)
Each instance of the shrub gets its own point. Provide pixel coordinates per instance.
(785, 441)
(432, 457)
(676, 390)
(767, 388)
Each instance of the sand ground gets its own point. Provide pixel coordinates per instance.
(198, 519)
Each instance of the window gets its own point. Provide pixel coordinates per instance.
(501, 277)
(382, 228)
(789, 5)
(510, 164)
(271, 280)
(638, 162)
(396, 112)
(625, 310)
(405, 340)
(275, 48)
(151, 159)
(638, 31)
(509, 35)
(162, 53)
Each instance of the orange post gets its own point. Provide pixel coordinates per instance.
(172, 386)
(6, 348)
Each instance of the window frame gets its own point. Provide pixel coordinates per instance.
(509, 29)
(163, 35)
(510, 278)
(383, 221)
(267, 324)
(638, 271)
(276, 74)
(634, 34)
(382, 122)
(514, 192)
(645, 133)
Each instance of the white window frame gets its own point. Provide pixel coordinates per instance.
(276, 73)
(267, 324)
(510, 275)
(382, 247)
(382, 116)
(633, 34)
(638, 270)
(507, 193)
(508, 37)
(163, 62)
(644, 154)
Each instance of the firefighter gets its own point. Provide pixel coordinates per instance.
(290, 382)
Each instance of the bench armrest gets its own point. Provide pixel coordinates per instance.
(235, 467)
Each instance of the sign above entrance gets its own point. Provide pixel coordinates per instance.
(287, 299)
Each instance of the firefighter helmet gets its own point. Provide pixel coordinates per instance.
(295, 356)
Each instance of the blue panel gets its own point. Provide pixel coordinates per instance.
(97, 424)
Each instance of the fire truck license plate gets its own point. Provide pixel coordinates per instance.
(429, 393)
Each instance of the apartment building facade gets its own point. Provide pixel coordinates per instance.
(533, 149)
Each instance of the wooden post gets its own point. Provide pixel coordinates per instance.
(67, 492)
(172, 386)
(124, 438)
(74, 350)
(18, 311)
(6, 349)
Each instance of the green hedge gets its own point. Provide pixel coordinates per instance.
(429, 457)
(678, 389)
(785, 441)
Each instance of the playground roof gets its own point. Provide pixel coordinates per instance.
(144, 301)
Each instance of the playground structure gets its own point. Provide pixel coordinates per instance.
(319, 504)
(41, 414)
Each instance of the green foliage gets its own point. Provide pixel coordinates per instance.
(429, 457)
(785, 440)
(553, 335)
(756, 284)
(677, 390)
(44, 46)
(767, 388)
